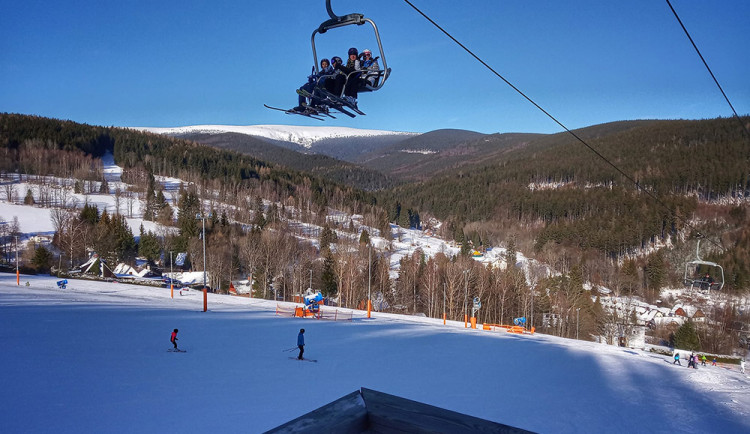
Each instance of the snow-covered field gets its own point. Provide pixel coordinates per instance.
(93, 358)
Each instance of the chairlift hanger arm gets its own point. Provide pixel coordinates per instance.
(339, 20)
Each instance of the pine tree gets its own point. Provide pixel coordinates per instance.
(656, 272)
(148, 246)
(189, 207)
(260, 218)
(29, 199)
(327, 237)
(364, 238)
(42, 259)
(686, 337)
(89, 214)
(328, 276)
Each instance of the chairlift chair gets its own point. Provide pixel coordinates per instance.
(348, 20)
(703, 274)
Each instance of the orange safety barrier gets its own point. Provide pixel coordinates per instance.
(508, 328)
(327, 314)
(284, 310)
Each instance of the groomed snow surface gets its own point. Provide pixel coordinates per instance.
(93, 358)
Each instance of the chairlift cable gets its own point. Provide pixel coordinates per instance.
(708, 68)
(591, 148)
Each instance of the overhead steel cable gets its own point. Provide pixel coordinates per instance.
(591, 148)
(744, 127)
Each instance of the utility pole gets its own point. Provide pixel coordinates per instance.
(578, 309)
(171, 276)
(443, 303)
(466, 298)
(205, 289)
(18, 274)
(369, 280)
(532, 307)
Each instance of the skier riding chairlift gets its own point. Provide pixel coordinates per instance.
(374, 79)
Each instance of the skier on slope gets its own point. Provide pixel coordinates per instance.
(677, 359)
(742, 366)
(301, 343)
(173, 339)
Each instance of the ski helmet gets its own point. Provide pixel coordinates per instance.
(353, 51)
(301, 330)
(336, 59)
(366, 50)
(175, 330)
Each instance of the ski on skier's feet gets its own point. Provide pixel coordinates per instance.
(332, 100)
(306, 113)
(304, 359)
(176, 350)
(340, 102)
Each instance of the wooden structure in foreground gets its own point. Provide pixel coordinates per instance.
(370, 411)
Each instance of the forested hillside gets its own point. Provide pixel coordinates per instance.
(43, 146)
(556, 197)
(321, 165)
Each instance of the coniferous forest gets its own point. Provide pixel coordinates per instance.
(550, 198)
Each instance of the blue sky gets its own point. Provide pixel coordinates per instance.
(175, 63)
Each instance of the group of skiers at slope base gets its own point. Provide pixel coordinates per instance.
(693, 361)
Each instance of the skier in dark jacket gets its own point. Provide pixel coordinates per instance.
(173, 339)
(312, 81)
(345, 82)
(301, 343)
(677, 359)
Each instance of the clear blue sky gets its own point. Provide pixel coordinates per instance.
(173, 63)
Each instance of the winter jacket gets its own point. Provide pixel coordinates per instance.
(323, 72)
(301, 339)
(351, 66)
(371, 65)
(173, 338)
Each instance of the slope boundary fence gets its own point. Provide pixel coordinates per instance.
(322, 313)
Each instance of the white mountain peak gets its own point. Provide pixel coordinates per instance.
(304, 136)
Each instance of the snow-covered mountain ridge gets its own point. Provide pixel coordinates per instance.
(303, 136)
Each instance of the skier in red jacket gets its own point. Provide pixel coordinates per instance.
(173, 339)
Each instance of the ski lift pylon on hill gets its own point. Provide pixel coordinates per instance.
(703, 274)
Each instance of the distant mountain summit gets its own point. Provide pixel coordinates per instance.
(306, 137)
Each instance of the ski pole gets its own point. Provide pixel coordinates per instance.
(290, 349)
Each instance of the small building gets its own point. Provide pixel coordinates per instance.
(698, 316)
